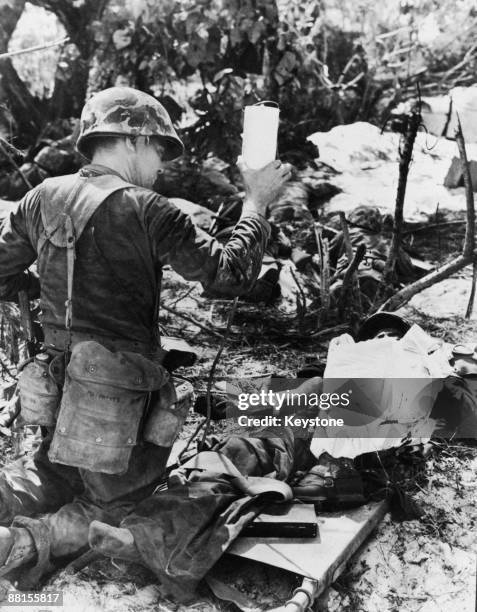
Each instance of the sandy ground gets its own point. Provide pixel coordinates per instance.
(417, 566)
(420, 566)
(367, 160)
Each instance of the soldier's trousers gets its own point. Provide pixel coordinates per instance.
(64, 500)
(57, 503)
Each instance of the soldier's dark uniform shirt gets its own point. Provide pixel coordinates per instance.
(123, 247)
(119, 257)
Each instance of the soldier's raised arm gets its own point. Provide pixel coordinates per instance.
(229, 269)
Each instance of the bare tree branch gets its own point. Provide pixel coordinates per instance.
(470, 305)
(348, 276)
(404, 163)
(346, 238)
(469, 239)
(469, 254)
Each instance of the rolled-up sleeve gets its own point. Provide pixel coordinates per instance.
(228, 270)
(17, 253)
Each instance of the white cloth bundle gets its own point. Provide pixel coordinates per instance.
(398, 380)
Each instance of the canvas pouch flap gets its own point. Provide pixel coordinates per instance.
(103, 402)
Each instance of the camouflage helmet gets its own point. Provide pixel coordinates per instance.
(124, 111)
(367, 217)
(379, 321)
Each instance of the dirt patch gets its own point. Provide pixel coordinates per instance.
(427, 565)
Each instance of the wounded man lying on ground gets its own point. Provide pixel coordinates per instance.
(404, 384)
(100, 239)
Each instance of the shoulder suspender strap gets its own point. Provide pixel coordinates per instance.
(76, 196)
(64, 218)
(70, 266)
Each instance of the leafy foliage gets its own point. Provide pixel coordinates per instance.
(325, 62)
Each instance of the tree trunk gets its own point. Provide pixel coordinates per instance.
(14, 94)
(10, 13)
(71, 83)
(69, 91)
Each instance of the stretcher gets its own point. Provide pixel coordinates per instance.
(319, 560)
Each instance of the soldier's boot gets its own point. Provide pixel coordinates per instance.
(115, 542)
(17, 548)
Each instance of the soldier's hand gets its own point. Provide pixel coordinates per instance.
(264, 186)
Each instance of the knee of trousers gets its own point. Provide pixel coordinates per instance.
(68, 528)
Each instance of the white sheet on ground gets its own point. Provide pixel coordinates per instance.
(397, 379)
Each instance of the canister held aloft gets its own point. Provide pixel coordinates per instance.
(259, 138)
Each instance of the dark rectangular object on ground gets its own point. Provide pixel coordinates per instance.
(177, 353)
(288, 520)
(455, 176)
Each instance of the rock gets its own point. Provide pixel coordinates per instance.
(440, 118)
(359, 144)
(455, 175)
(54, 160)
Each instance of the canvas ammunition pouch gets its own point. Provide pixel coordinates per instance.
(167, 413)
(39, 392)
(104, 398)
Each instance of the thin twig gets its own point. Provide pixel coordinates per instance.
(299, 287)
(431, 226)
(348, 276)
(324, 257)
(404, 163)
(326, 274)
(349, 254)
(210, 379)
(467, 58)
(190, 440)
(331, 331)
(215, 218)
(351, 61)
(300, 302)
(346, 237)
(469, 240)
(182, 297)
(470, 305)
(8, 155)
(182, 315)
(56, 43)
